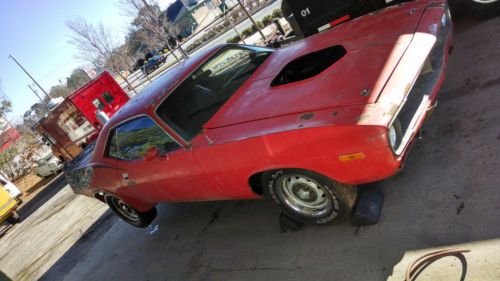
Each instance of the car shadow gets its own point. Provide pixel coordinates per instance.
(53, 186)
(4, 277)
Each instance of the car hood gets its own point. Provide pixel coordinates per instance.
(374, 45)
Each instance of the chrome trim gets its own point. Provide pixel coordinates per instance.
(442, 33)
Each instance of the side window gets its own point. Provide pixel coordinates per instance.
(131, 140)
(108, 97)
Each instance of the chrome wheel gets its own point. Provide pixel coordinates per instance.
(484, 1)
(124, 209)
(304, 195)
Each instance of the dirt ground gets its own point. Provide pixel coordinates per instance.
(30, 184)
(446, 197)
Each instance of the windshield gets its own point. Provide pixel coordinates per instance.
(201, 95)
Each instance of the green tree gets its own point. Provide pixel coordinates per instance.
(35, 113)
(60, 91)
(6, 159)
(77, 79)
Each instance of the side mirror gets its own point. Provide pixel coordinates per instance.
(151, 153)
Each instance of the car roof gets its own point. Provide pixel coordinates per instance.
(151, 95)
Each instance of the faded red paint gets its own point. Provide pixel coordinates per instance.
(307, 124)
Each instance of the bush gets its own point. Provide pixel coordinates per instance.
(277, 13)
(247, 32)
(234, 39)
(267, 20)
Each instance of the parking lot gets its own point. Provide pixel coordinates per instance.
(447, 196)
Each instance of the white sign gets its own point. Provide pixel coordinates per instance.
(91, 72)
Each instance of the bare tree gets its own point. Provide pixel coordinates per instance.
(77, 79)
(148, 15)
(96, 45)
(5, 104)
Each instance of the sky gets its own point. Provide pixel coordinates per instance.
(35, 33)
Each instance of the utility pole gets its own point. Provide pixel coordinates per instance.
(251, 19)
(29, 75)
(34, 92)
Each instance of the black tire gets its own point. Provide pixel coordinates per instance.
(129, 214)
(14, 218)
(339, 199)
(476, 9)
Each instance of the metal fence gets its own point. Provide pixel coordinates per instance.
(137, 80)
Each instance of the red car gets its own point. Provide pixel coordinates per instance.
(302, 124)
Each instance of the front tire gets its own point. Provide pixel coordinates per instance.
(482, 9)
(310, 197)
(14, 218)
(129, 214)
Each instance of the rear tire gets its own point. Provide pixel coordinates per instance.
(310, 197)
(14, 218)
(482, 9)
(129, 214)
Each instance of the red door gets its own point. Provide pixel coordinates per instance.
(174, 175)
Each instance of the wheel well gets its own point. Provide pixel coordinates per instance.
(100, 196)
(255, 182)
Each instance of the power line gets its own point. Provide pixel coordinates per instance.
(29, 75)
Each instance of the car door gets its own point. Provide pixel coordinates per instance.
(174, 175)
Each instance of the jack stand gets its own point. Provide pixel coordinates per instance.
(288, 224)
(368, 210)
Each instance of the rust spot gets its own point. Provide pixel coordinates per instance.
(307, 116)
(365, 92)
(335, 113)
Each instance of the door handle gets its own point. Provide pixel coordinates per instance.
(128, 181)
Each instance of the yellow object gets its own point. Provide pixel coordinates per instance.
(352, 156)
(7, 204)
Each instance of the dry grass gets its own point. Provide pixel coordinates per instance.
(29, 184)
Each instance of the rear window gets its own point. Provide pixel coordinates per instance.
(309, 65)
(206, 90)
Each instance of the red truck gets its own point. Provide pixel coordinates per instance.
(302, 125)
(73, 122)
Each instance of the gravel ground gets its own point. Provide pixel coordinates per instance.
(447, 196)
